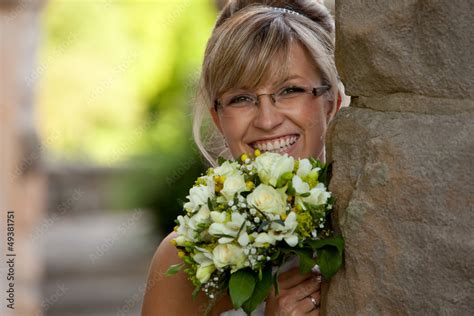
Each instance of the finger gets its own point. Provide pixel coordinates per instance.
(317, 296)
(291, 278)
(305, 288)
(316, 301)
(307, 305)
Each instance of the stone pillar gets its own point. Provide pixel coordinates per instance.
(403, 159)
(22, 187)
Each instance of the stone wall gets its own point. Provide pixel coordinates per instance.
(403, 159)
(22, 187)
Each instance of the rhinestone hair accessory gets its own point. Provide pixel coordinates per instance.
(284, 10)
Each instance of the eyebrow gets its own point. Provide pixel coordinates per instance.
(274, 84)
(295, 76)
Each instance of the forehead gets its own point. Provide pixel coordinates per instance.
(295, 64)
(299, 66)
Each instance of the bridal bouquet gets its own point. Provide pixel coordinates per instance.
(248, 216)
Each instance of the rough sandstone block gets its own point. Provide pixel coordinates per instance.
(423, 47)
(405, 207)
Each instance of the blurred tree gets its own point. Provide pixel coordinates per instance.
(117, 80)
(170, 161)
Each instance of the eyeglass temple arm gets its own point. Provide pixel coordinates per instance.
(320, 90)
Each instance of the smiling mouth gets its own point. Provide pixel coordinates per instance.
(276, 145)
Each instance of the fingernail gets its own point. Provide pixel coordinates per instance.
(316, 269)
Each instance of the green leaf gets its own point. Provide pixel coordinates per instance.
(306, 194)
(241, 286)
(306, 259)
(331, 201)
(291, 189)
(261, 291)
(325, 174)
(262, 225)
(329, 261)
(310, 206)
(330, 253)
(221, 160)
(209, 204)
(174, 269)
(224, 235)
(315, 163)
(284, 178)
(275, 282)
(279, 221)
(335, 241)
(196, 292)
(275, 254)
(241, 227)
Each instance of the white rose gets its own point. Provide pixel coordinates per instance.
(267, 199)
(203, 273)
(229, 255)
(233, 184)
(271, 166)
(318, 196)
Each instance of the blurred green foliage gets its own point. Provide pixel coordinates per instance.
(116, 88)
(103, 62)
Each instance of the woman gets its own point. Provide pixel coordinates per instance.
(269, 82)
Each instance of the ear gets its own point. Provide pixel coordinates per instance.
(215, 118)
(339, 102)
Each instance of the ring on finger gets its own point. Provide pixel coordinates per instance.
(314, 301)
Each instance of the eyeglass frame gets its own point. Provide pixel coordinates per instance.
(315, 91)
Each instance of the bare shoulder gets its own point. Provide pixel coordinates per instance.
(172, 295)
(168, 295)
(165, 255)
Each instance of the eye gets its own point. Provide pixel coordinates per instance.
(291, 91)
(240, 100)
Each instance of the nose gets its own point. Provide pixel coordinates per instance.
(268, 116)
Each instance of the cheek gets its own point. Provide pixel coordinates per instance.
(313, 119)
(234, 132)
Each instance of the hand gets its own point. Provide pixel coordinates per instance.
(295, 292)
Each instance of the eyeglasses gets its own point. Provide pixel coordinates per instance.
(287, 97)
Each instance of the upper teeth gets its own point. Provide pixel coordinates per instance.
(276, 145)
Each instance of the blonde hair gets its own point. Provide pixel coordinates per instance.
(248, 38)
